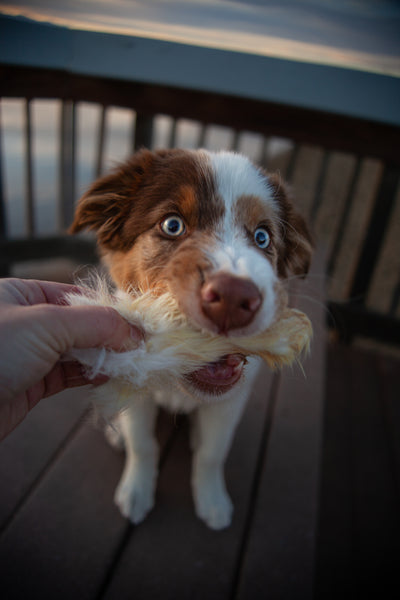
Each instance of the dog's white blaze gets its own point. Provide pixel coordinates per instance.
(236, 176)
(247, 262)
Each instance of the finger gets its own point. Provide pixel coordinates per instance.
(54, 382)
(93, 326)
(66, 327)
(64, 375)
(68, 374)
(32, 291)
(75, 375)
(50, 292)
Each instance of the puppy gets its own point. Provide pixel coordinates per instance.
(220, 235)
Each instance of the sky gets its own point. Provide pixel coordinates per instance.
(356, 33)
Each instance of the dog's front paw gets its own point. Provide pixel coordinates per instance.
(134, 495)
(114, 436)
(213, 505)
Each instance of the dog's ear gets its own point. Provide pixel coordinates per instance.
(105, 207)
(297, 245)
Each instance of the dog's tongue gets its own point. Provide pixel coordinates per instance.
(218, 376)
(224, 368)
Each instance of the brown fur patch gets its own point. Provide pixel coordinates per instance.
(127, 207)
(161, 264)
(251, 211)
(107, 204)
(296, 244)
(138, 194)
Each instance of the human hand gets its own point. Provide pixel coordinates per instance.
(36, 329)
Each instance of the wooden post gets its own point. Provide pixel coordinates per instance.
(143, 132)
(67, 164)
(29, 197)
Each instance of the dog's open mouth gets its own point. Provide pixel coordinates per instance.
(220, 376)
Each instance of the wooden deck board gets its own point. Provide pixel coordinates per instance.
(193, 561)
(359, 540)
(376, 501)
(388, 372)
(30, 448)
(336, 511)
(64, 537)
(68, 540)
(280, 555)
(36, 549)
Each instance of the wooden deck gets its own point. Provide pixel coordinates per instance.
(359, 524)
(296, 533)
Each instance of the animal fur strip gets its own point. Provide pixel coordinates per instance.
(173, 347)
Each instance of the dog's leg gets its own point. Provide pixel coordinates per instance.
(216, 424)
(135, 492)
(114, 435)
(194, 434)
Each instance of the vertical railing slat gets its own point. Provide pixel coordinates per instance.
(201, 142)
(29, 196)
(235, 140)
(375, 234)
(143, 137)
(394, 305)
(319, 189)
(100, 142)
(67, 164)
(172, 134)
(3, 221)
(4, 258)
(344, 218)
(289, 171)
(264, 153)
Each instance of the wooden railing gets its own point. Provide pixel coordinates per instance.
(362, 145)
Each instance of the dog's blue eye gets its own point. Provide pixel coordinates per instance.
(173, 226)
(262, 238)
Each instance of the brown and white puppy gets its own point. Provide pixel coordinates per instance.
(221, 235)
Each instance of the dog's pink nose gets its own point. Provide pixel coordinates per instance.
(230, 302)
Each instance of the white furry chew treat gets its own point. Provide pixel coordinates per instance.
(172, 346)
